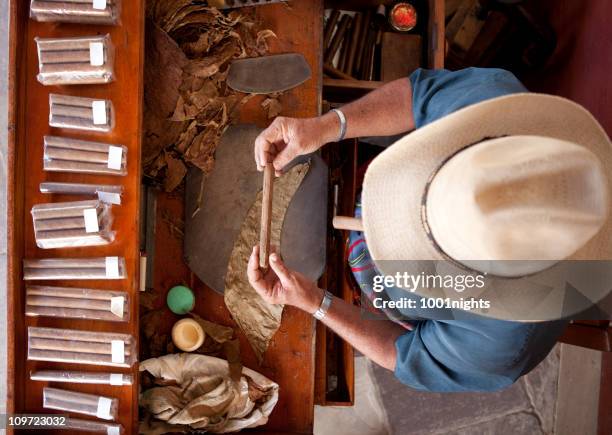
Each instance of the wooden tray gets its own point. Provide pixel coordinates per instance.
(28, 123)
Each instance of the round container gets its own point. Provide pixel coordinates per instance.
(403, 17)
(187, 335)
(180, 299)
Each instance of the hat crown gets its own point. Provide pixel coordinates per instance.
(517, 198)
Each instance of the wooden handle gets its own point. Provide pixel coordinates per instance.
(347, 223)
(266, 215)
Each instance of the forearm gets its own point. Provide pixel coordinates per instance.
(373, 338)
(384, 112)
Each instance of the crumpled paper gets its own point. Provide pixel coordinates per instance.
(198, 393)
(188, 106)
(258, 319)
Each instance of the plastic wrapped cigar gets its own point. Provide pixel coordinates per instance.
(74, 268)
(78, 303)
(75, 61)
(72, 155)
(72, 224)
(76, 377)
(83, 347)
(93, 426)
(79, 188)
(81, 113)
(76, 11)
(88, 404)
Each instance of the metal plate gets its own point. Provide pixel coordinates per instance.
(268, 74)
(227, 195)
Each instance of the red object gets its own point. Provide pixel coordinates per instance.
(403, 17)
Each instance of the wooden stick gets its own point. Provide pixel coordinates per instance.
(354, 43)
(336, 73)
(337, 39)
(347, 223)
(330, 25)
(266, 215)
(361, 46)
(346, 42)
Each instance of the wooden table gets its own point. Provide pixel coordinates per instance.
(289, 360)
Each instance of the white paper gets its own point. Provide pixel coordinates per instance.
(113, 430)
(115, 155)
(117, 305)
(96, 53)
(99, 112)
(112, 267)
(118, 351)
(104, 408)
(116, 379)
(99, 4)
(91, 220)
(109, 197)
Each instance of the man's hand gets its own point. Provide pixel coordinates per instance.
(287, 138)
(279, 285)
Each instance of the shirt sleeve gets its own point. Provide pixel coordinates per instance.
(471, 355)
(437, 93)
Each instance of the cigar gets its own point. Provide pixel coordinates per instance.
(74, 313)
(78, 124)
(79, 188)
(69, 345)
(81, 57)
(74, 334)
(77, 273)
(73, 357)
(66, 74)
(74, 293)
(65, 263)
(75, 377)
(81, 145)
(92, 426)
(68, 100)
(69, 209)
(64, 400)
(59, 224)
(54, 301)
(76, 155)
(65, 44)
(80, 167)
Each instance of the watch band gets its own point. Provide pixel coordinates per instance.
(325, 304)
(342, 123)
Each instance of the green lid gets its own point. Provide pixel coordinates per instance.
(180, 299)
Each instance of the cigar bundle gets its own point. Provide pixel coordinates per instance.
(76, 11)
(76, 377)
(71, 155)
(74, 268)
(88, 404)
(82, 347)
(93, 426)
(72, 224)
(78, 303)
(81, 113)
(76, 60)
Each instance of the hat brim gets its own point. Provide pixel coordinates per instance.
(396, 179)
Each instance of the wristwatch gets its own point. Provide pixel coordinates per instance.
(325, 304)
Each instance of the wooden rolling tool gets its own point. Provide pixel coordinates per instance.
(266, 216)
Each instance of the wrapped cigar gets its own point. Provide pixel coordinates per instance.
(77, 303)
(72, 224)
(75, 60)
(93, 426)
(76, 11)
(71, 155)
(77, 377)
(73, 113)
(88, 404)
(74, 268)
(85, 347)
(79, 188)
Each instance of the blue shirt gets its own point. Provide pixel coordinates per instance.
(468, 353)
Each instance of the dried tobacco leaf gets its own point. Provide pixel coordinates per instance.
(273, 106)
(175, 172)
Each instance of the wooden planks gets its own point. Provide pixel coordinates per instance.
(28, 123)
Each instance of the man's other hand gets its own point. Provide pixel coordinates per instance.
(279, 285)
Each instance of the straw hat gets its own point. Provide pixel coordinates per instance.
(507, 187)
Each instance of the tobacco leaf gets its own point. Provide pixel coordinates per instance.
(273, 106)
(175, 172)
(258, 319)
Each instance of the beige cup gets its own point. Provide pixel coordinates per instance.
(187, 335)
